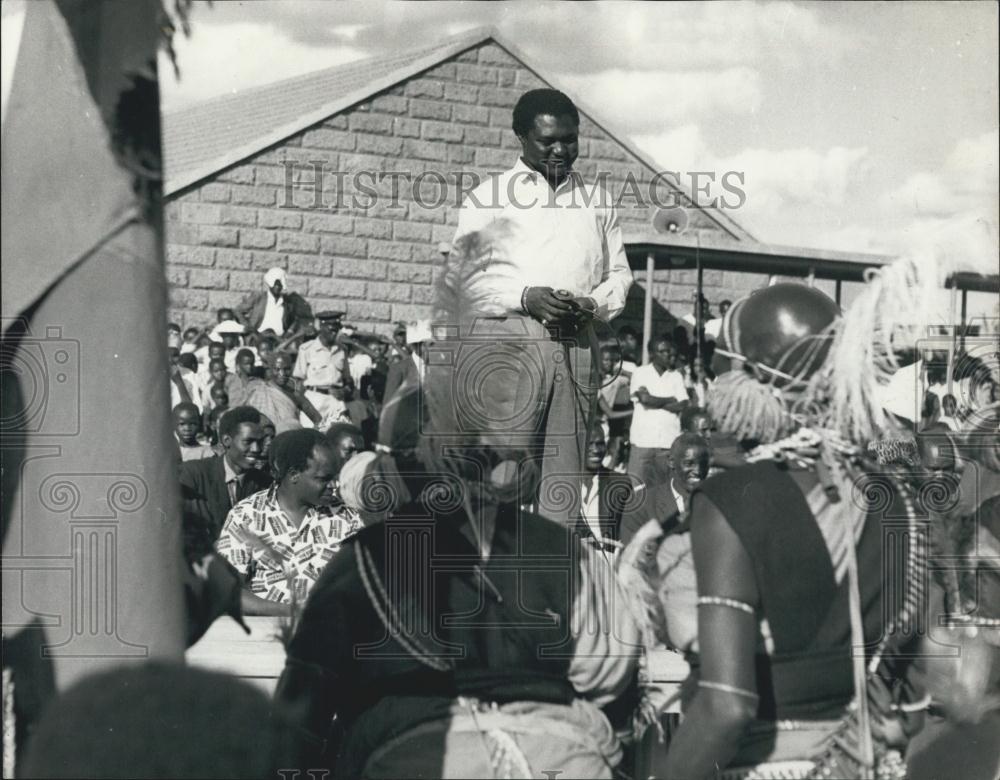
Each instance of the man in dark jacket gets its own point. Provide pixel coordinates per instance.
(605, 496)
(274, 308)
(668, 502)
(212, 486)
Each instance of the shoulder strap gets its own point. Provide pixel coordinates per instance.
(914, 595)
(388, 614)
(858, 659)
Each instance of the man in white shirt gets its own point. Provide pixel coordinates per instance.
(659, 394)
(274, 308)
(537, 253)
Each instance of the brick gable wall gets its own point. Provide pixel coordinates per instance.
(377, 260)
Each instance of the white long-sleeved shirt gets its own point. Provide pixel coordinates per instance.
(655, 428)
(514, 232)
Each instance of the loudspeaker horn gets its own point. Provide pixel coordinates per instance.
(673, 220)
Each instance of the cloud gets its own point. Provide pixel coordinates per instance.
(682, 148)
(967, 181)
(793, 194)
(665, 61)
(348, 32)
(814, 177)
(654, 99)
(224, 59)
(956, 204)
(774, 179)
(567, 37)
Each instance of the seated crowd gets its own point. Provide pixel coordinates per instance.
(237, 389)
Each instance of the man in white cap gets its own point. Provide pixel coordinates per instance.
(274, 308)
(228, 332)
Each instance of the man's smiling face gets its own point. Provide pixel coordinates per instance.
(551, 146)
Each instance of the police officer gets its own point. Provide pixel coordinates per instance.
(322, 367)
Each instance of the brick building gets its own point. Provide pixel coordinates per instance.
(268, 177)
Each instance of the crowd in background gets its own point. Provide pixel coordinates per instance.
(235, 388)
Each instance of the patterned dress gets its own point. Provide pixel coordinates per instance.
(276, 558)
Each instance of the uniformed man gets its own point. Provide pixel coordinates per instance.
(399, 349)
(322, 367)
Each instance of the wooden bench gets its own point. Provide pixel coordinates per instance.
(257, 657)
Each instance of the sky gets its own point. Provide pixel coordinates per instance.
(858, 126)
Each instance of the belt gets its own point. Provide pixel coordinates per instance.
(325, 389)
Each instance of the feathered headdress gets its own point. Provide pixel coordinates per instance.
(831, 375)
(894, 311)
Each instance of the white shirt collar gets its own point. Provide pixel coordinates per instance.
(230, 474)
(678, 496)
(524, 171)
(419, 362)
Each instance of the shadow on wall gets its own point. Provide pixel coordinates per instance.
(664, 320)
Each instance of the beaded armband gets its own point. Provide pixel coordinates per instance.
(722, 601)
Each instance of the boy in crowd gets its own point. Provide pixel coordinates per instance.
(220, 405)
(616, 409)
(628, 340)
(215, 350)
(190, 340)
(267, 345)
(217, 374)
(241, 382)
(187, 426)
(199, 396)
(229, 333)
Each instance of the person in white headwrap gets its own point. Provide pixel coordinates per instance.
(274, 307)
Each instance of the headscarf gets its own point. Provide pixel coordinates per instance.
(272, 275)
